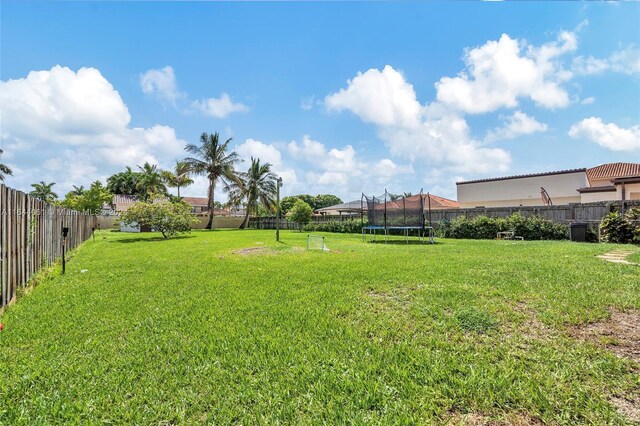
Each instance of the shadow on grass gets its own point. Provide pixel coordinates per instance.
(151, 239)
(404, 242)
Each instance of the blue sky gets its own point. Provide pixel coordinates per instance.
(342, 98)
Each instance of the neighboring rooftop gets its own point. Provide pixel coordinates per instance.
(613, 170)
(559, 172)
(351, 206)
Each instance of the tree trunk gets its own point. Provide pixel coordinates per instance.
(178, 191)
(210, 223)
(245, 222)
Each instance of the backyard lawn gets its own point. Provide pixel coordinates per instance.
(231, 327)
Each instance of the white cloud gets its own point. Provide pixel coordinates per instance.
(588, 101)
(78, 124)
(517, 124)
(380, 97)
(308, 149)
(430, 134)
(256, 149)
(609, 135)
(308, 103)
(219, 107)
(161, 83)
(498, 73)
(626, 61)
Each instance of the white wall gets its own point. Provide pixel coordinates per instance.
(562, 188)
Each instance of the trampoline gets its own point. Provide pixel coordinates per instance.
(393, 214)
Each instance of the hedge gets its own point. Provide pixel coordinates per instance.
(483, 227)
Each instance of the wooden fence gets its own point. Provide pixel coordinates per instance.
(31, 237)
(589, 213)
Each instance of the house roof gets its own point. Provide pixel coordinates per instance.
(559, 172)
(436, 201)
(613, 170)
(196, 201)
(355, 205)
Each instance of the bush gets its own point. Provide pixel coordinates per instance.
(483, 227)
(350, 226)
(162, 216)
(621, 229)
(300, 213)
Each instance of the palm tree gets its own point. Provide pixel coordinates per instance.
(150, 181)
(257, 186)
(4, 170)
(125, 183)
(43, 191)
(179, 177)
(212, 159)
(77, 190)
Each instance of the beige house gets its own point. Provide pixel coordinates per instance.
(607, 182)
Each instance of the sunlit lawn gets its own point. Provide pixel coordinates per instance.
(195, 330)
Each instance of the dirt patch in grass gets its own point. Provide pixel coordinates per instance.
(479, 419)
(628, 406)
(250, 251)
(530, 327)
(256, 251)
(620, 334)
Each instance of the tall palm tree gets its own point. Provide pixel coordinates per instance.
(179, 177)
(43, 191)
(150, 181)
(212, 159)
(257, 187)
(4, 170)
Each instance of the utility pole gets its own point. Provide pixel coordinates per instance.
(278, 185)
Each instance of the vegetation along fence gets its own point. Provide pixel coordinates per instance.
(31, 237)
(591, 213)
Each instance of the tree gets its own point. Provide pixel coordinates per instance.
(150, 181)
(301, 213)
(125, 183)
(213, 160)
(161, 216)
(287, 203)
(326, 200)
(258, 187)
(4, 170)
(90, 200)
(43, 191)
(77, 190)
(179, 177)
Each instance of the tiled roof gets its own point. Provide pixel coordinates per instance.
(560, 172)
(442, 202)
(613, 170)
(437, 202)
(196, 201)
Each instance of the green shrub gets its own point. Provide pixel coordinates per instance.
(621, 229)
(350, 226)
(483, 227)
(300, 213)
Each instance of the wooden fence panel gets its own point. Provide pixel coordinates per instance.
(31, 237)
(589, 213)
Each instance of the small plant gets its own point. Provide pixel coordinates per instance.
(621, 229)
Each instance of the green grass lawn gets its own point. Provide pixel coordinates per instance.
(194, 330)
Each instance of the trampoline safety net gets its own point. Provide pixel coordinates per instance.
(390, 211)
